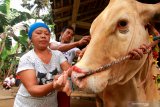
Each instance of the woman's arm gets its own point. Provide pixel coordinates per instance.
(65, 66)
(66, 70)
(29, 80)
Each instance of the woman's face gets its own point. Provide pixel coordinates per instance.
(40, 38)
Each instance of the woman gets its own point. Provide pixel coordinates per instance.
(37, 69)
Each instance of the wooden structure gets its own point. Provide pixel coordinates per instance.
(82, 94)
(79, 14)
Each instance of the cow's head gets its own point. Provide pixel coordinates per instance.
(116, 31)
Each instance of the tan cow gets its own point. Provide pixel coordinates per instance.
(117, 30)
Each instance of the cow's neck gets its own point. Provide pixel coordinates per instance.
(137, 90)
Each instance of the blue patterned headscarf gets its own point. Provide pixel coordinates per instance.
(35, 26)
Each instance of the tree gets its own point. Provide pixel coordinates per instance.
(9, 53)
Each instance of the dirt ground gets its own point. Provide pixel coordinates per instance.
(7, 99)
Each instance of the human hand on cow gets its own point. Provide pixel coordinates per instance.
(137, 54)
(61, 83)
(84, 41)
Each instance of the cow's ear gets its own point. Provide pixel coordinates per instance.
(148, 11)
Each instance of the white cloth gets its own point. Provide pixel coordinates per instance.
(9, 81)
(70, 54)
(44, 73)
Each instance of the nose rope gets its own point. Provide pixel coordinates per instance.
(102, 68)
(117, 61)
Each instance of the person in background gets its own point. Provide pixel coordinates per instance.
(37, 70)
(70, 50)
(9, 82)
(65, 44)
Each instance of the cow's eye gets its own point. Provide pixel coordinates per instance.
(122, 23)
(122, 26)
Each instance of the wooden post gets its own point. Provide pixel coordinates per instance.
(75, 13)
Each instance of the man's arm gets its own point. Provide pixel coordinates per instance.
(65, 47)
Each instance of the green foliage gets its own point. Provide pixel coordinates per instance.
(9, 54)
(5, 6)
(8, 43)
(23, 40)
(14, 49)
(3, 20)
(4, 54)
(18, 16)
(4, 10)
(1, 29)
(47, 18)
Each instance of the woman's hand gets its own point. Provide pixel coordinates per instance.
(61, 83)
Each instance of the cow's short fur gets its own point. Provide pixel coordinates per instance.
(130, 83)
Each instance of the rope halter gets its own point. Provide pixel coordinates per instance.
(107, 66)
